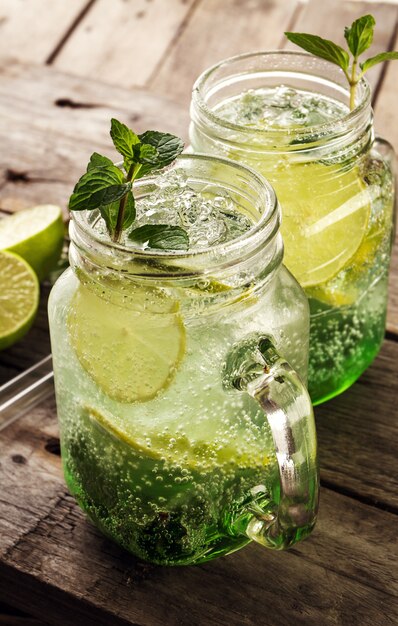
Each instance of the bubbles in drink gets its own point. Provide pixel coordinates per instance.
(280, 107)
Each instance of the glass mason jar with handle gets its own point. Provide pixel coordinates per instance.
(186, 430)
(286, 115)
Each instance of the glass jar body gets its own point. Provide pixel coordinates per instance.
(339, 168)
(163, 477)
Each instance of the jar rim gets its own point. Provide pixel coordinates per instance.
(261, 233)
(324, 128)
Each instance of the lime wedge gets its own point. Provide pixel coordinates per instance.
(131, 353)
(176, 447)
(36, 234)
(19, 298)
(325, 213)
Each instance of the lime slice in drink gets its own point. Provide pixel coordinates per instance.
(325, 213)
(176, 447)
(36, 234)
(131, 351)
(19, 298)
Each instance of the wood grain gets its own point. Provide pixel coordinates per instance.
(122, 42)
(29, 31)
(386, 104)
(54, 560)
(14, 617)
(329, 17)
(358, 434)
(58, 120)
(218, 30)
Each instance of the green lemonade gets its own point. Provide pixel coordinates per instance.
(163, 456)
(336, 217)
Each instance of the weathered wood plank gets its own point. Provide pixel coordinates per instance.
(358, 433)
(58, 121)
(123, 41)
(329, 17)
(386, 104)
(392, 313)
(18, 620)
(53, 559)
(218, 30)
(13, 617)
(29, 31)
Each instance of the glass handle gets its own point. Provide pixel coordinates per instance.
(278, 521)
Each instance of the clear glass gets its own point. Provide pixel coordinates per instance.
(338, 164)
(186, 430)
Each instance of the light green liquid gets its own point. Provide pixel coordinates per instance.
(348, 308)
(169, 477)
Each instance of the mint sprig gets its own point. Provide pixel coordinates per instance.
(359, 37)
(109, 188)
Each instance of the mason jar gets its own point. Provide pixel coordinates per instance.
(286, 114)
(186, 429)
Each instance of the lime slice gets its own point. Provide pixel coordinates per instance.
(350, 285)
(325, 213)
(131, 353)
(36, 234)
(176, 447)
(19, 298)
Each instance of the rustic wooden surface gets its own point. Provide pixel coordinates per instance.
(62, 76)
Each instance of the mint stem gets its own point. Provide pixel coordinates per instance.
(133, 171)
(353, 83)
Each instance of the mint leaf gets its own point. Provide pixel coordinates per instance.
(168, 147)
(146, 154)
(379, 58)
(108, 188)
(110, 212)
(98, 160)
(360, 36)
(161, 236)
(323, 48)
(100, 185)
(107, 195)
(123, 138)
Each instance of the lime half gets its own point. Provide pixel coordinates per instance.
(131, 351)
(36, 234)
(325, 214)
(19, 298)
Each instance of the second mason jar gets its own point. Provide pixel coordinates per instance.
(286, 114)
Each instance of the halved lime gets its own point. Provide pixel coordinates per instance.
(19, 298)
(131, 351)
(325, 213)
(36, 234)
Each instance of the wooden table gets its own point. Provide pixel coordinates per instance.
(65, 69)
